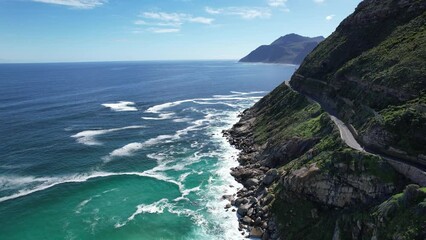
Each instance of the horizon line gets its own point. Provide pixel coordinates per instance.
(112, 61)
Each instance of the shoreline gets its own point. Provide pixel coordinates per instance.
(252, 202)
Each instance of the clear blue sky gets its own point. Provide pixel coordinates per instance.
(117, 30)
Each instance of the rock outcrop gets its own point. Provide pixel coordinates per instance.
(341, 190)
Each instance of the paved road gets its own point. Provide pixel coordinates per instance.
(414, 173)
(346, 135)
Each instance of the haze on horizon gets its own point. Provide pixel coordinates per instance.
(132, 30)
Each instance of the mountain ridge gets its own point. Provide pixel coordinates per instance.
(290, 49)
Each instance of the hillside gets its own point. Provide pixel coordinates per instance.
(302, 181)
(375, 80)
(290, 49)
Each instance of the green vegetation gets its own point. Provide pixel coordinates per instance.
(406, 122)
(389, 73)
(372, 71)
(396, 63)
(285, 114)
(298, 219)
(403, 215)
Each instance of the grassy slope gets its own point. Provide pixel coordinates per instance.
(403, 215)
(284, 115)
(380, 66)
(407, 122)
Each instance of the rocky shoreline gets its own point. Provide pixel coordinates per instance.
(252, 202)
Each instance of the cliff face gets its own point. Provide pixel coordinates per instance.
(290, 49)
(371, 73)
(320, 180)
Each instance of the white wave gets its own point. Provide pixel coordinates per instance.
(158, 139)
(78, 178)
(220, 180)
(186, 192)
(14, 182)
(158, 208)
(159, 156)
(213, 122)
(167, 164)
(161, 116)
(236, 94)
(249, 93)
(110, 190)
(121, 106)
(158, 108)
(183, 177)
(127, 150)
(182, 120)
(226, 96)
(15, 166)
(87, 137)
(81, 205)
(131, 148)
(216, 103)
(198, 219)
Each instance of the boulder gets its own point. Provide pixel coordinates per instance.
(251, 182)
(411, 193)
(243, 209)
(247, 220)
(250, 212)
(256, 232)
(240, 201)
(258, 221)
(270, 176)
(265, 236)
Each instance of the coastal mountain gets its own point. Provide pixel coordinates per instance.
(339, 152)
(290, 49)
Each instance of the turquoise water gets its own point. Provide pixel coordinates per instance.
(129, 150)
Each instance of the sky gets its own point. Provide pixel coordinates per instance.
(133, 30)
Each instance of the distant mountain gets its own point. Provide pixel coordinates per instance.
(291, 49)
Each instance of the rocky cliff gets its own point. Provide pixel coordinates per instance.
(301, 181)
(290, 49)
(372, 72)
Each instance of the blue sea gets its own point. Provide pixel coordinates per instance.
(123, 150)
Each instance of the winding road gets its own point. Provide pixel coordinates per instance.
(411, 171)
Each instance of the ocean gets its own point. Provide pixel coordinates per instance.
(123, 150)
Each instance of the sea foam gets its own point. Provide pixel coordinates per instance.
(161, 116)
(131, 148)
(88, 137)
(78, 178)
(121, 106)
